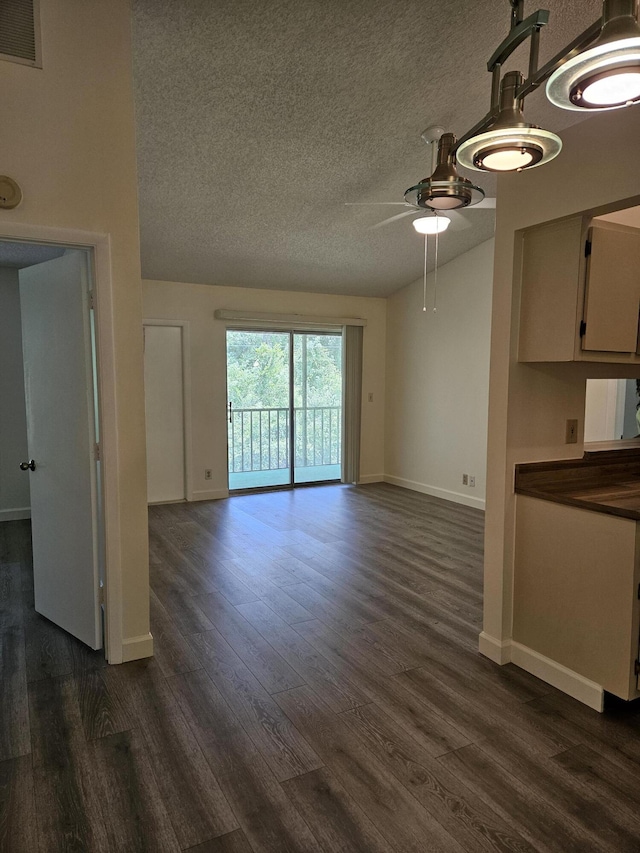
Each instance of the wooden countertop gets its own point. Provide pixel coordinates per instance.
(604, 480)
(612, 449)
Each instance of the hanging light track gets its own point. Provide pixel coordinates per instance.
(598, 70)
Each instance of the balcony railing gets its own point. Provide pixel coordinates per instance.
(259, 438)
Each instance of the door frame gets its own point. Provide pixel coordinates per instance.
(292, 331)
(186, 396)
(99, 246)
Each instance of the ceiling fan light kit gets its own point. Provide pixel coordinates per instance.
(431, 224)
(445, 189)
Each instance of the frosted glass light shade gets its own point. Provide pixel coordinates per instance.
(495, 150)
(622, 87)
(511, 159)
(431, 224)
(617, 62)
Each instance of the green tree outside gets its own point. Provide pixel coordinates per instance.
(258, 378)
(258, 370)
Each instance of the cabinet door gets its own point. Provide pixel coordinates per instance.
(550, 300)
(612, 297)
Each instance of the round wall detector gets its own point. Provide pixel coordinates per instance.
(10, 193)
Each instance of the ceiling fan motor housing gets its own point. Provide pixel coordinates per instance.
(445, 189)
(444, 198)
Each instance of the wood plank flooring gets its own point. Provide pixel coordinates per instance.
(316, 688)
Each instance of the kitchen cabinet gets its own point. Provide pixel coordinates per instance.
(576, 576)
(580, 292)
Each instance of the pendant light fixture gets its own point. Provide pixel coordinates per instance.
(606, 76)
(598, 70)
(510, 144)
(445, 189)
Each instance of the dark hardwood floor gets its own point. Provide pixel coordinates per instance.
(316, 688)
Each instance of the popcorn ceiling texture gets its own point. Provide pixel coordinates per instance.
(20, 255)
(257, 121)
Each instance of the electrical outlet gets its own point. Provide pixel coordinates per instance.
(207, 473)
(571, 435)
(370, 397)
(465, 479)
(472, 481)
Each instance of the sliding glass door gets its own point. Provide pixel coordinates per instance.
(259, 403)
(284, 408)
(317, 386)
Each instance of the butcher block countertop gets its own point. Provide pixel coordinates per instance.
(606, 479)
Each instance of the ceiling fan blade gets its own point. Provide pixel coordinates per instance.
(486, 203)
(392, 219)
(459, 221)
(375, 203)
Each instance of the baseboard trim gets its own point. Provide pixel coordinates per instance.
(371, 478)
(434, 491)
(550, 671)
(135, 648)
(499, 651)
(210, 495)
(554, 673)
(15, 514)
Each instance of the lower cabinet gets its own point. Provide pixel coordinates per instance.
(576, 585)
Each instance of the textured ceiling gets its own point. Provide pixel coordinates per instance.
(258, 119)
(20, 255)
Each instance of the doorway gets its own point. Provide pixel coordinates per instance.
(284, 405)
(51, 471)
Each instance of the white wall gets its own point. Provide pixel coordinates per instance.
(70, 144)
(14, 483)
(601, 419)
(438, 381)
(197, 302)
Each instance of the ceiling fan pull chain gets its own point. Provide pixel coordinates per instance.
(424, 288)
(435, 278)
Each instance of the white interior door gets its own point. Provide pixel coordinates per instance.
(58, 371)
(164, 408)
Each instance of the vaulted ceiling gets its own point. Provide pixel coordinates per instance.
(258, 119)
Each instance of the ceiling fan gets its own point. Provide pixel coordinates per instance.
(444, 190)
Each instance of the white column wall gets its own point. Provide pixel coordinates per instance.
(529, 404)
(70, 145)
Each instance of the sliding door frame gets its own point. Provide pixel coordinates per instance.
(291, 332)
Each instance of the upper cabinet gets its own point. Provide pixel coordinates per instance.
(580, 296)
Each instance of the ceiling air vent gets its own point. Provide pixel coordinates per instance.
(20, 31)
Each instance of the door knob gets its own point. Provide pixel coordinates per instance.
(30, 465)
